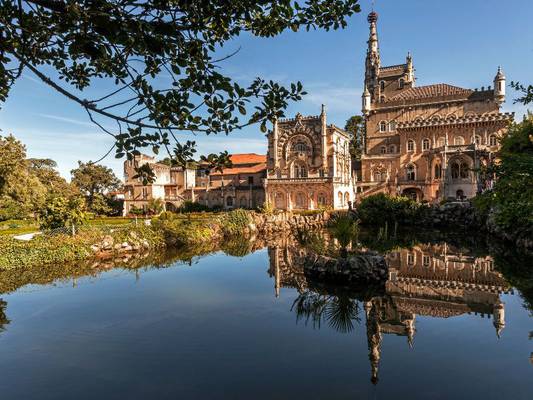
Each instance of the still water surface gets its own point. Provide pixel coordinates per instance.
(447, 325)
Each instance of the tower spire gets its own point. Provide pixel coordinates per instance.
(372, 56)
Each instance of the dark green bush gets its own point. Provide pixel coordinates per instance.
(381, 208)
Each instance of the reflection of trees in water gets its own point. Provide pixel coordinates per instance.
(3, 318)
(339, 312)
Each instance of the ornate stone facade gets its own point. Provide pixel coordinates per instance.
(426, 142)
(309, 165)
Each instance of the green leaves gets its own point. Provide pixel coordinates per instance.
(160, 59)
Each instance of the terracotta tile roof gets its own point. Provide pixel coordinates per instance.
(248, 158)
(241, 164)
(425, 92)
(242, 170)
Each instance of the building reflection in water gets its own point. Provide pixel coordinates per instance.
(427, 280)
(3, 318)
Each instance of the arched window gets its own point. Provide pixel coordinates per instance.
(280, 200)
(438, 171)
(411, 172)
(243, 202)
(426, 144)
(410, 145)
(300, 147)
(300, 171)
(459, 195)
(465, 170)
(321, 199)
(458, 141)
(301, 201)
(493, 141)
(442, 141)
(383, 126)
(392, 126)
(346, 199)
(455, 170)
(425, 261)
(383, 150)
(477, 140)
(380, 176)
(229, 201)
(392, 148)
(401, 83)
(382, 85)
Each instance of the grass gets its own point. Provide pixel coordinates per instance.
(20, 227)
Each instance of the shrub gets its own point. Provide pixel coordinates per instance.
(235, 222)
(381, 208)
(61, 212)
(190, 207)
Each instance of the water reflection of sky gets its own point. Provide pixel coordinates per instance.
(216, 330)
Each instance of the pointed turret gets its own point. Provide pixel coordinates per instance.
(367, 102)
(499, 318)
(499, 86)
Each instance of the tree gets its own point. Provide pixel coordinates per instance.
(135, 47)
(63, 213)
(526, 92)
(45, 170)
(93, 179)
(511, 200)
(355, 126)
(21, 192)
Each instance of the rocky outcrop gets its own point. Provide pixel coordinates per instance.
(465, 216)
(453, 214)
(357, 269)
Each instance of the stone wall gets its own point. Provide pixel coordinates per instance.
(287, 221)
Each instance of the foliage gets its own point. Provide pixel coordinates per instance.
(190, 207)
(526, 92)
(235, 222)
(45, 170)
(510, 203)
(267, 208)
(61, 212)
(61, 248)
(21, 192)
(380, 208)
(237, 246)
(344, 228)
(132, 46)
(183, 232)
(94, 181)
(355, 126)
(216, 162)
(341, 312)
(155, 206)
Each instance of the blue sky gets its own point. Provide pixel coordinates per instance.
(460, 42)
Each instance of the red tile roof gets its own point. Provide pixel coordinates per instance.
(423, 92)
(239, 164)
(248, 158)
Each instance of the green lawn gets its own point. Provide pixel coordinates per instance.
(20, 227)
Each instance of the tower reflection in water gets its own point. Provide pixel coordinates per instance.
(434, 280)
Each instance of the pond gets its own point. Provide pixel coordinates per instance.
(447, 323)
